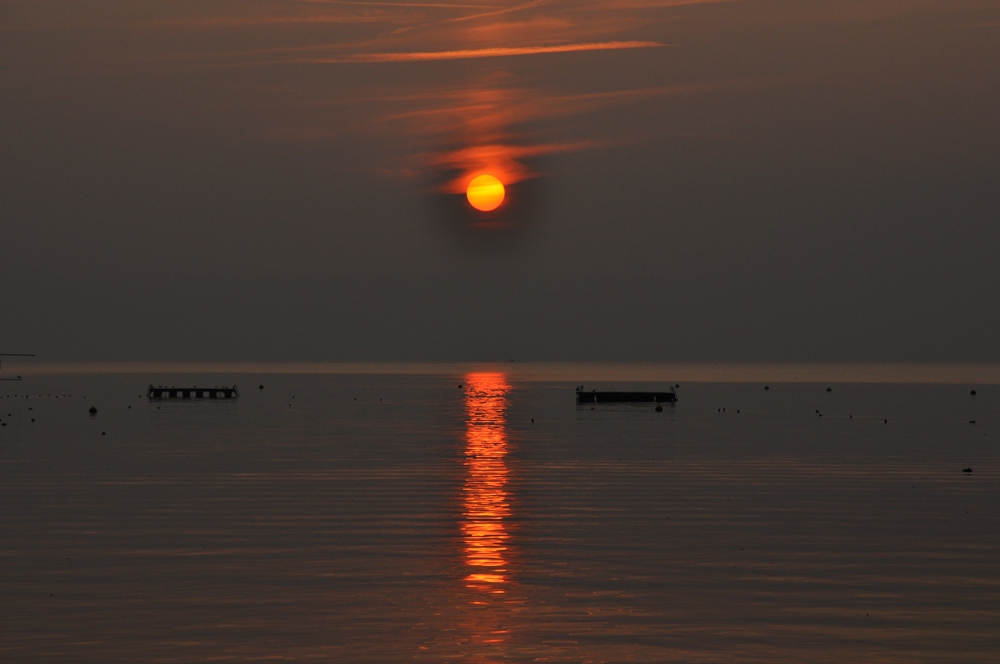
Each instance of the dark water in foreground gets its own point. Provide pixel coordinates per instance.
(431, 523)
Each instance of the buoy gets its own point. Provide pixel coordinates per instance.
(973, 393)
(967, 470)
(659, 409)
(93, 410)
(260, 387)
(829, 389)
(766, 387)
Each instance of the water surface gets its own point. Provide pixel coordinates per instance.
(481, 515)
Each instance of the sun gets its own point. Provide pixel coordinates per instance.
(485, 193)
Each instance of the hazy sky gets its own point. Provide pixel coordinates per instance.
(281, 180)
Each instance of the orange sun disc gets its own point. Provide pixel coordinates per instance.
(485, 193)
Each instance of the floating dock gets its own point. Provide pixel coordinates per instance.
(193, 392)
(595, 396)
(15, 355)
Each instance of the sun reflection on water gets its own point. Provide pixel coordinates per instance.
(486, 505)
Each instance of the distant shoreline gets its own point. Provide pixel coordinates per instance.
(681, 372)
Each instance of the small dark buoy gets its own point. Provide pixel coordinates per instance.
(972, 421)
(973, 393)
(32, 419)
(260, 387)
(459, 386)
(659, 409)
(829, 389)
(104, 433)
(93, 410)
(532, 420)
(967, 470)
(885, 421)
(677, 384)
(766, 387)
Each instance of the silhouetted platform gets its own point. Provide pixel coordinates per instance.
(624, 397)
(193, 392)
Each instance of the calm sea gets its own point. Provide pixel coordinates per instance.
(477, 513)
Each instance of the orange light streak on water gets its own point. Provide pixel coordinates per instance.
(486, 504)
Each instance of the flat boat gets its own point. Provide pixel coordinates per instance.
(594, 396)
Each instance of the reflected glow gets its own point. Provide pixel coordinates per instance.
(485, 502)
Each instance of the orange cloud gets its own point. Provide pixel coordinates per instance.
(498, 52)
(502, 161)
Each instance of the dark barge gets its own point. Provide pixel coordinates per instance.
(193, 392)
(624, 397)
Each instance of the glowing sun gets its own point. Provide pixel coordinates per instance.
(485, 193)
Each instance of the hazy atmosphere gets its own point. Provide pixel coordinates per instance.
(284, 181)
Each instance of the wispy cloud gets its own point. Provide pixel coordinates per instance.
(503, 160)
(495, 52)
